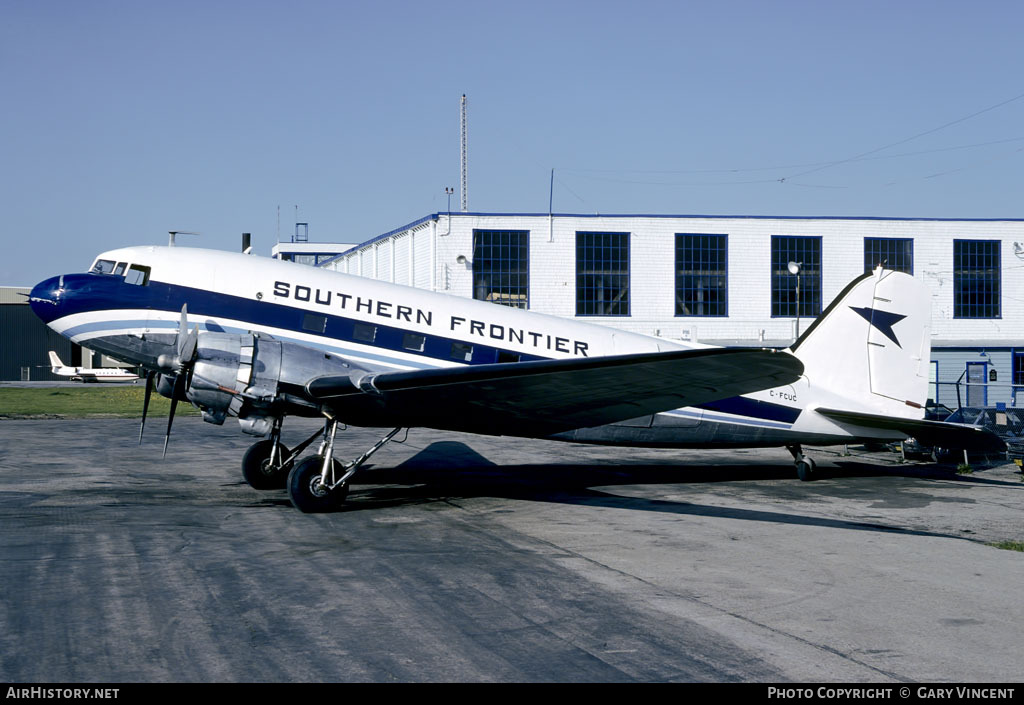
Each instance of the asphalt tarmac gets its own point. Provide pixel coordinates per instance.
(461, 558)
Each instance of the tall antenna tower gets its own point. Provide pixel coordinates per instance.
(465, 159)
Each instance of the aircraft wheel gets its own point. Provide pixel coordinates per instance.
(805, 469)
(307, 493)
(257, 470)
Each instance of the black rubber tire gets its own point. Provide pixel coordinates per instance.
(805, 469)
(256, 470)
(305, 491)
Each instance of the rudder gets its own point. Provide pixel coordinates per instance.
(872, 346)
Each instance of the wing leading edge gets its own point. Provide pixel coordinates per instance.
(544, 397)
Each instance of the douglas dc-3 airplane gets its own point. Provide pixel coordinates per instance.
(258, 339)
(90, 374)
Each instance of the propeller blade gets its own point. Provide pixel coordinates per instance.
(145, 401)
(188, 346)
(178, 392)
(187, 342)
(187, 339)
(182, 324)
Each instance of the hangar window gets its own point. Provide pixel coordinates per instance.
(976, 279)
(138, 275)
(805, 251)
(896, 253)
(702, 275)
(312, 259)
(501, 266)
(602, 274)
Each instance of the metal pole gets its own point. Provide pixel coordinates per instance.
(797, 305)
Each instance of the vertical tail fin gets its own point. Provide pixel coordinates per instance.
(55, 362)
(872, 346)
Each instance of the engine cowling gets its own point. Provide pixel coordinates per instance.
(256, 378)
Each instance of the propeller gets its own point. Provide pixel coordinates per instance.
(183, 362)
(150, 376)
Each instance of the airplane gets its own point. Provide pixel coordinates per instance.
(259, 339)
(90, 374)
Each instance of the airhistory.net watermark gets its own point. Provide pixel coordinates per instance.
(51, 693)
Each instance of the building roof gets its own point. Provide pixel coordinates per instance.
(14, 294)
(477, 214)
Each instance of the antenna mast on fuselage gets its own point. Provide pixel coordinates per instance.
(172, 233)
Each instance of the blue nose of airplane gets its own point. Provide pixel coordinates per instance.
(46, 298)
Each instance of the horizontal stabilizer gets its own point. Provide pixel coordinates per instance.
(543, 397)
(952, 436)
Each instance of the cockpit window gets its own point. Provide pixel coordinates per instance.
(119, 269)
(103, 266)
(137, 274)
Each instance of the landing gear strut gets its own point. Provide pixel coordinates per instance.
(804, 466)
(263, 467)
(266, 464)
(319, 483)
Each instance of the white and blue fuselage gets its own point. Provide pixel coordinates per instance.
(129, 305)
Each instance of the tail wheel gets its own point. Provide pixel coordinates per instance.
(308, 493)
(805, 469)
(257, 470)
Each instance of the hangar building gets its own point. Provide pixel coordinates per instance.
(27, 341)
(726, 280)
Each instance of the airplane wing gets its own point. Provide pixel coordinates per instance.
(543, 397)
(934, 433)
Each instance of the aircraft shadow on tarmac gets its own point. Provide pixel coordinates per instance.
(453, 470)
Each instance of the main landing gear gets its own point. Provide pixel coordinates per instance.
(266, 464)
(318, 483)
(804, 466)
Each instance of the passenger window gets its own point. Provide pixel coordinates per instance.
(314, 323)
(137, 275)
(103, 266)
(504, 356)
(414, 342)
(462, 352)
(364, 332)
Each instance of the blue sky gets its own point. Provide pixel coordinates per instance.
(123, 120)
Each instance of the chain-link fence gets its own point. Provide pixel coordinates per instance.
(991, 406)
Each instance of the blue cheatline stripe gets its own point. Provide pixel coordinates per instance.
(745, 406)
(108, 325)
(107, 292)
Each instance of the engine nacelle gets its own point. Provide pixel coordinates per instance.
(256, 378)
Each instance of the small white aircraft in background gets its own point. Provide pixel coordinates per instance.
(90, 374)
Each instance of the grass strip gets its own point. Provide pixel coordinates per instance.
(87, 401)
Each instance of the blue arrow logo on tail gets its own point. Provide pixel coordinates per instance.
(882, 320)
